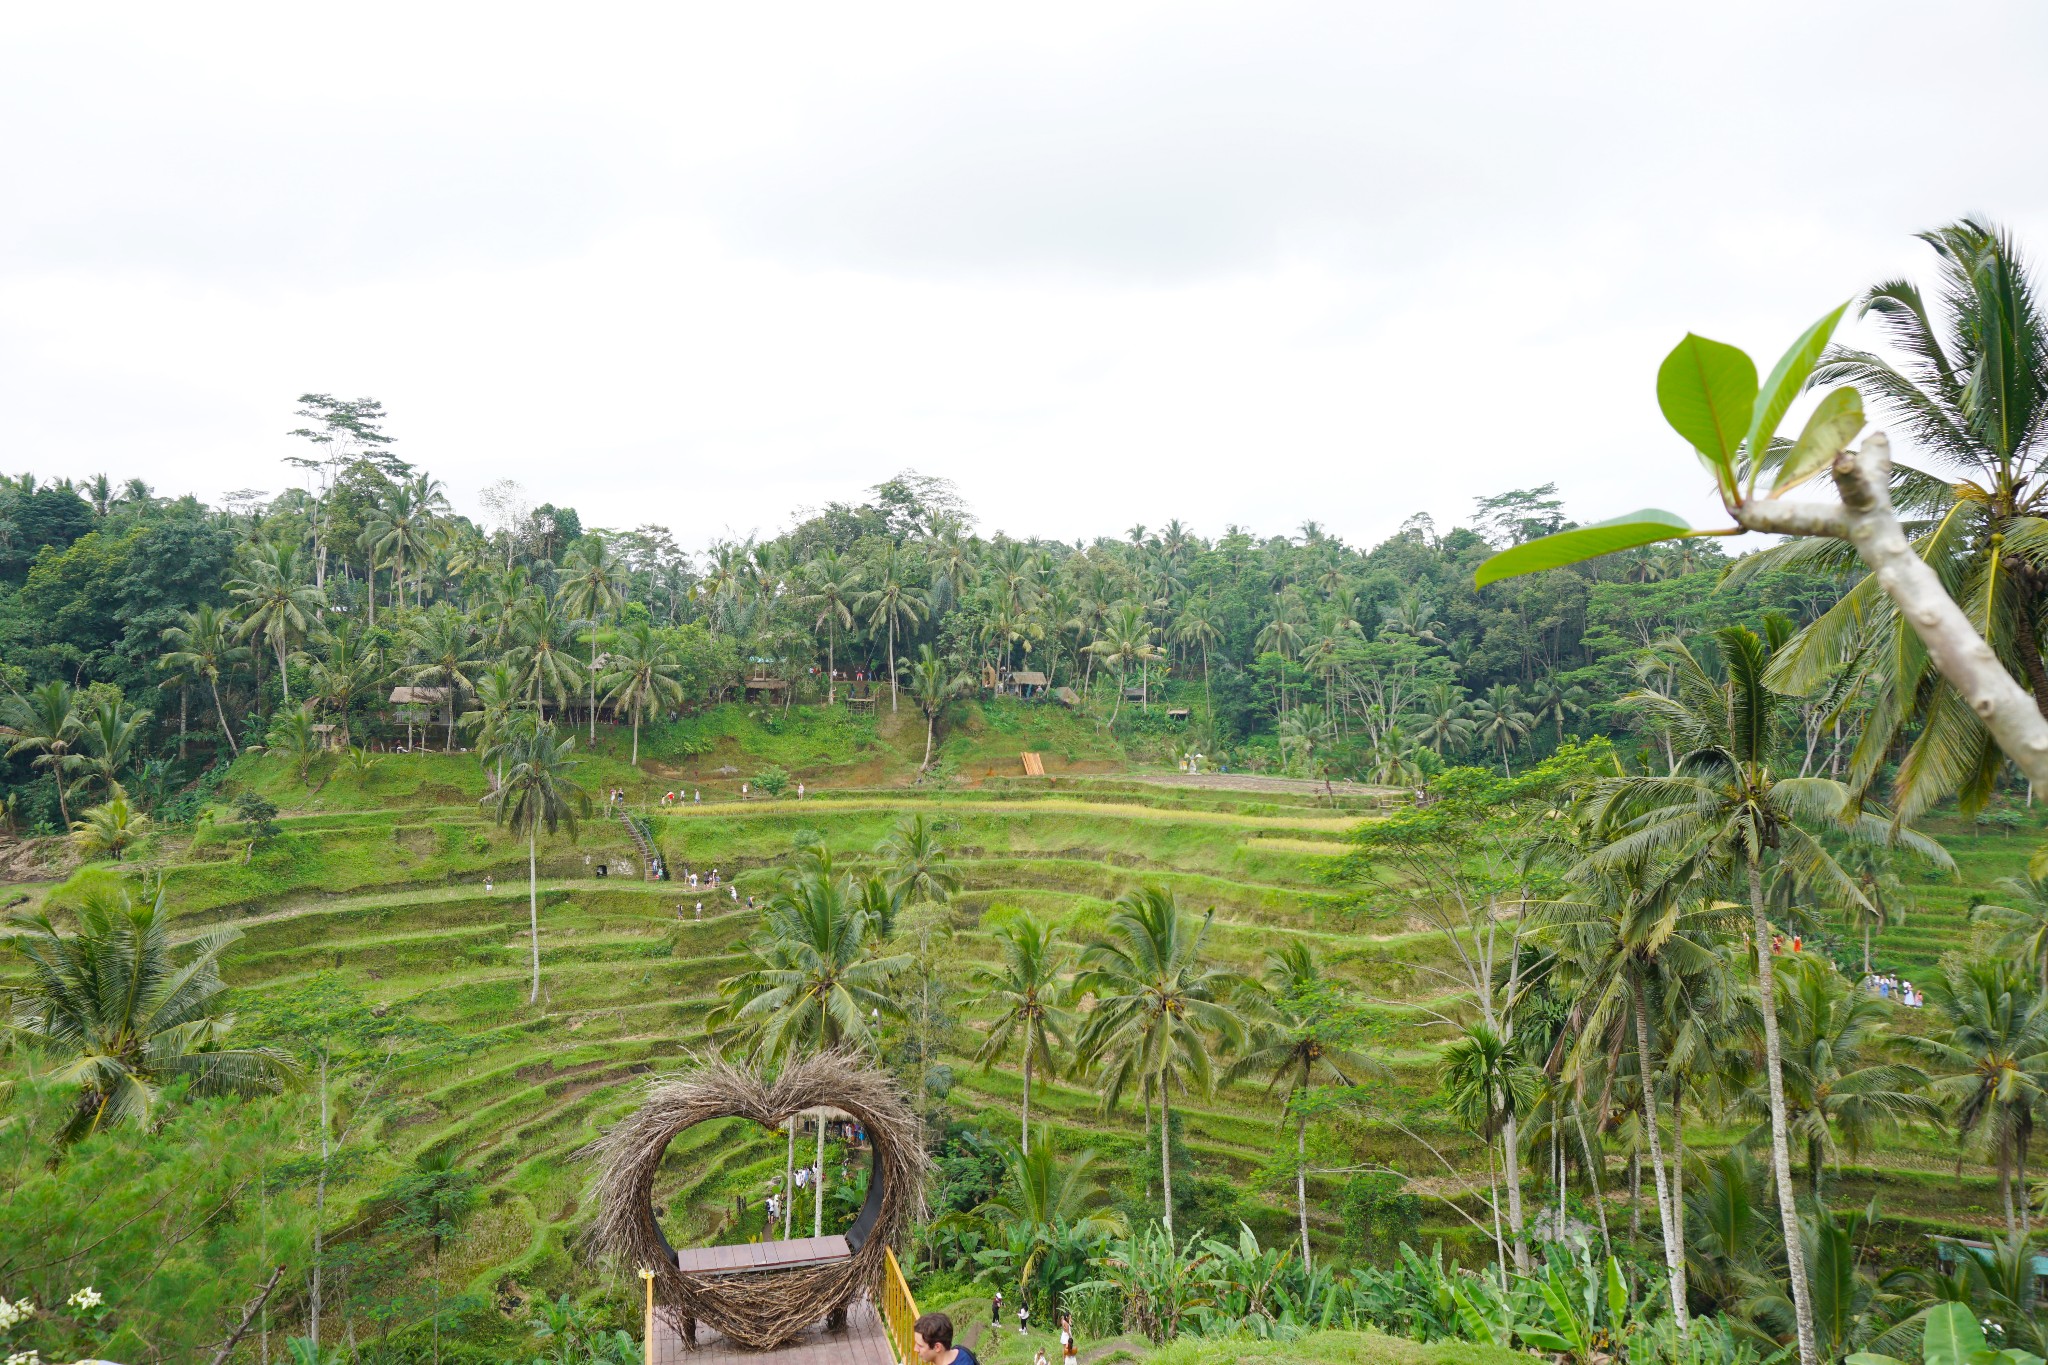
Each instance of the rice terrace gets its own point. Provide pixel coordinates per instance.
(729, 896)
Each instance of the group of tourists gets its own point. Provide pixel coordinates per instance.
(672, 798)
(1891, 988)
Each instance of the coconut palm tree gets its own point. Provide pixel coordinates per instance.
(292, 737)
(1029, 998)
(1989, 1062)
(893, 602)
(537, 793)
(1970, 385)
(1885, 899)
(442, 645)
(202, 645)
(919, 868)
(1724, 809)
(1446, 719)
(815, 985)
(1162, 1010)
(109, 830)
(645, 672)
(277, 607)
(594, 589)
(1487, 1085)
(110, 732)
(1301, 1036)
(829, 589)
(45, 723)
(1627, 944)
(2022, 923)
(1499, 719)
(933, 686)
(350, 665)
(498, 707)
(1048, 1209)
(406, 525)
(1198, 625)
(1125, 639)
(1838, 1080)
(546, 637)
(1283, 635)
(129, 1011)
(1556, 700)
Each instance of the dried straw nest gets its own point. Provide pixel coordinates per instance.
(766, 1308)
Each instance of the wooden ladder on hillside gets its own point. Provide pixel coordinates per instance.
(1034, 765)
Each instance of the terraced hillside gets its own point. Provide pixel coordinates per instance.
(400, 895)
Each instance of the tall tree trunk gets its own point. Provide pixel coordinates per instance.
(2005, 1183)
(1647, 1073)
(1500, 1245)
(1025, 1145)
(533, 904)
(1511, 1173)
(284, 672)
(818, 1183)
(1678, 1179)
(593, 685)
(892, 665)
(931, 720)
(831, 682)
(1165, 1158)
(1781, 1145)
(1594, 1170)
(789, 1182)
(636, 737)
(184, 727)
(221, 712)
(1301, 1185)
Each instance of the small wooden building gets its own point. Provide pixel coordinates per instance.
(764, 689)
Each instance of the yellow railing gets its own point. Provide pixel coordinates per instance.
(899, 1310)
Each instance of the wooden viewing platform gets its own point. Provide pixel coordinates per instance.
(862, 1341)
(745, 1257)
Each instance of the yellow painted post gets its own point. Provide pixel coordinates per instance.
(647, 1319)
(899, 1309)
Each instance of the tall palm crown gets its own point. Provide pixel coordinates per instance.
(1161, 1009)
(405, 527)
(933, 686)
(920, 869)
(894, 601)
(1971, 387)
(442, 646)
(277, 607)
(1029, 994)
(202, 646)
(110, 733)
(645, 672)
(828, 589)
(594, 583)
(815, 984)
(2023, 923)
(537, 793)
(130, 1012)
(1125, 639)
(1990, 1062)
(546, 635)
(46, 723)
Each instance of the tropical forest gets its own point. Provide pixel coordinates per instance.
(1529, 935)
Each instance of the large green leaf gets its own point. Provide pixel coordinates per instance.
(1828, 432)
(1787, 377)
(1587, 542)
(1707, 390)
(1952, 1335)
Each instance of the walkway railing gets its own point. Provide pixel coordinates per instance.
(899, 1310)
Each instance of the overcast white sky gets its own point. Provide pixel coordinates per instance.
(1099, 264)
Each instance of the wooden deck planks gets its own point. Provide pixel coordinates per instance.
(861, 1342)
(743, 1257)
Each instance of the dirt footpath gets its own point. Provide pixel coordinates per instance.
(1256, 782)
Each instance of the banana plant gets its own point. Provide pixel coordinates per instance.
(1952, 1337)
(1573, 1300)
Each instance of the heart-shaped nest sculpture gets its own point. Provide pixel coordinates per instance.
(766, 1308)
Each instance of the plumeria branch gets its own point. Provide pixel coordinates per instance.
(1866, 519)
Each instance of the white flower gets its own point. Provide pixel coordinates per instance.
(24, 1358)
(86, 1298)
(11, 1313)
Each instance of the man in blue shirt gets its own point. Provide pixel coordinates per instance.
(932, 1341)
